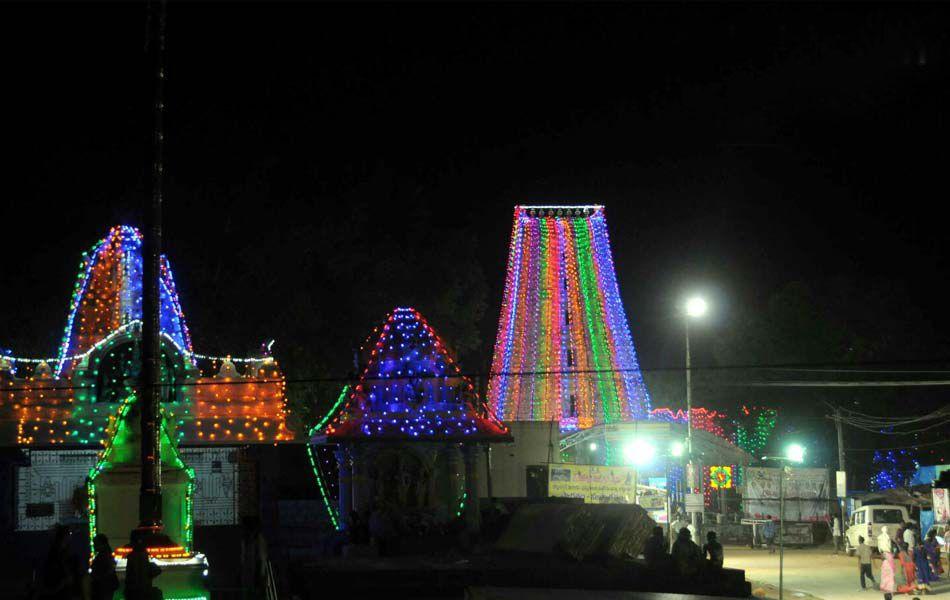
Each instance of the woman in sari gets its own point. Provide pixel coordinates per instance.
(932, 548)
(922, 563)
(908, 573)
(887, 564)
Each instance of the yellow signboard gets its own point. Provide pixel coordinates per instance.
(594, 483)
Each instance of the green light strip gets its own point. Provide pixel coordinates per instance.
(317, 473)
(593, 311)
(331, 510)
(542, 320)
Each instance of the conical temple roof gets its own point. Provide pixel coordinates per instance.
(412, 389)
(107, 297)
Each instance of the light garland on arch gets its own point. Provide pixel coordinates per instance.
(563, 350)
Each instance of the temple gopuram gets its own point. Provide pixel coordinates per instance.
(58, 410)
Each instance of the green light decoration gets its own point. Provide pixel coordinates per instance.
(754, 428)
(119, 449)
(595, 312)
(314, 463)
(461, 509)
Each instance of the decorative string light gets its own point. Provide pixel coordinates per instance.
(562, 317)
(328, 502)
(412, 388)
(120, 448)
(70, 401)
(754, 428)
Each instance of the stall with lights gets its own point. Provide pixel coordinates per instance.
(408, 434)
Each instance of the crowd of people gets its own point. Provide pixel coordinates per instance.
(64, 577)
(685, 557)
(909, 563)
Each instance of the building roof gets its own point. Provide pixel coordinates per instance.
(412, 389)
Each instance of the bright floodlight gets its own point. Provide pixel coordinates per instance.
(593, 447)
(677, 448)
(639, 452)
(695, 307)
(795, 453)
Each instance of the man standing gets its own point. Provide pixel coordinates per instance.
(836, 533)
(864, 562)
(910, 538)
(768, 532)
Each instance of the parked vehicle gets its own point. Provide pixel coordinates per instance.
(867, 521)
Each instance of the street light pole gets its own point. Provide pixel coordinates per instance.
(781, 529)
(695, 308)
(689, 425)
(796, 454)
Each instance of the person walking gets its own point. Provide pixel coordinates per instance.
(887, 586)
(907, 570)
(836, 533)
(932, 548)
(864, 562)
(712, 551)
(925, 574)
(103, 580)
(768, 532)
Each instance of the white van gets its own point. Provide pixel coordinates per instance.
(867, 521)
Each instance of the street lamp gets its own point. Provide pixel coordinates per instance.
(794, 453)
(695, 308)
(676, 449)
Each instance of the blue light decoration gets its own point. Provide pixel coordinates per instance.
(893, 469)
(107, 296)
(412, 388)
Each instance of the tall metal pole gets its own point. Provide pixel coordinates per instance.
(150, 492)
(689, 428)
(841, 466)
(781, 530)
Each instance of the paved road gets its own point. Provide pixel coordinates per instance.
(817, 572)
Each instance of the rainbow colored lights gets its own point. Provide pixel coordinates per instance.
(563, 350)
(412, 388)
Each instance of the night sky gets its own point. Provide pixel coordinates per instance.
(736, 148)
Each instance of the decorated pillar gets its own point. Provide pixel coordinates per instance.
(344, 465)
(470, 512)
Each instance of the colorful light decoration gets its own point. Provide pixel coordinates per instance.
(412, 388)
(720, 478)
(69, 403)
(322, 483)
(754, 428)
(702, 419)
(118, 448)
(893, 468)
(563, 349)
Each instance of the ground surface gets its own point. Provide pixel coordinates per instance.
(812, 572)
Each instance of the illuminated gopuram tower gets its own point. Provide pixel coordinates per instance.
(564, 350)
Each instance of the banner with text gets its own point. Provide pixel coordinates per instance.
(807, 493)
(594, 483)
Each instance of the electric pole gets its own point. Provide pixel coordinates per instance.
(841, 463)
